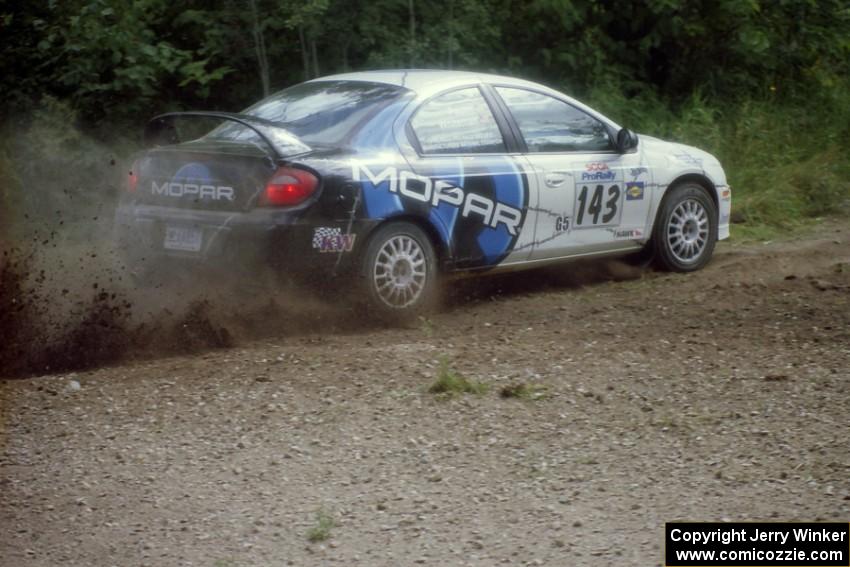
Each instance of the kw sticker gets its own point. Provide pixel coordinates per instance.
(328, 239)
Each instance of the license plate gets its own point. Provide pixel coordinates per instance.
(185, 239)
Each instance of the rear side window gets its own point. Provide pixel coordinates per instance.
(458, 122)
(551, 125)
(323, 113)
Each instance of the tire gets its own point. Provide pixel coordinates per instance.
(685, 231)
(399, 272)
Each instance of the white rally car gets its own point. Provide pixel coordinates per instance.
(392, 179)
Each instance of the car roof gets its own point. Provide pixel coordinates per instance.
(428, 81)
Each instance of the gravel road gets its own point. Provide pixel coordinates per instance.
(651, 397)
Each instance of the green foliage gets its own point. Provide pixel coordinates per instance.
(119, 58)
(110, 58)
(762, 84)
(427, 327)
(450, 383)
(321, 531)
(786, 159)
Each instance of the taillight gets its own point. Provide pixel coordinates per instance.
(133, 179)
(288, 187)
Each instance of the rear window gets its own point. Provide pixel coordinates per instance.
(320, 113)
(458, 122)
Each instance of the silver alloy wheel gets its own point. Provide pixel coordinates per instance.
(687, 231)
(400, 271)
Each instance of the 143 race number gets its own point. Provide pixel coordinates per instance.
(598, 206)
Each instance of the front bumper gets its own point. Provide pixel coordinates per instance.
(724, 212)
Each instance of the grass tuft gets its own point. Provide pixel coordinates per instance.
(427, 327)
(322, 530)
(450, 382)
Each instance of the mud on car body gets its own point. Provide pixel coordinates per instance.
(392, 179)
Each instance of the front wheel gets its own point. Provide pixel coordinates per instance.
(400, 272)
(686, 230)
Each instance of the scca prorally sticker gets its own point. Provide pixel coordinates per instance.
(434, 192)
(329, 239)
(597, 171)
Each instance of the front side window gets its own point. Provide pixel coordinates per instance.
(458, 122)
(552, 125)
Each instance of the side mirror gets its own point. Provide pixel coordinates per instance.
(626, 141)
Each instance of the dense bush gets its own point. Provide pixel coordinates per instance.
(763, 84)
(786, 159)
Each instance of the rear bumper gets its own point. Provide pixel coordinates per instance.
(286, 241)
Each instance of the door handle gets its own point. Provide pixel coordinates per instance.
(555, 179)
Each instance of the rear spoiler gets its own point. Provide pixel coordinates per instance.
(160, 131)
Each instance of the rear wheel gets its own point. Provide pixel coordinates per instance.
(686, 230)
(400, 272)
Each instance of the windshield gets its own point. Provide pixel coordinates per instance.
(323, 113)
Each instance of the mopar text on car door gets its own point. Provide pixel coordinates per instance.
(461, 148)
